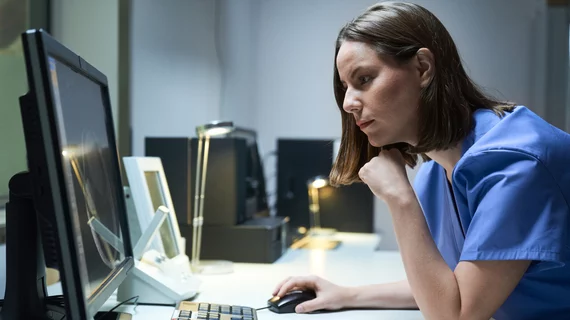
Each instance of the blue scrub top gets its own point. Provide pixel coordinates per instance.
(512, 191)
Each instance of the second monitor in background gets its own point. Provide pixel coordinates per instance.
(162, 272)
(346, 208)
(150, 190)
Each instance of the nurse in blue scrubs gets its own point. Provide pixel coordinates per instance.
(485, 231)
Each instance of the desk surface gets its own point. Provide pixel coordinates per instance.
(353, 263)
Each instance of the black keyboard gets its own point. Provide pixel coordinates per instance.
(210, 311)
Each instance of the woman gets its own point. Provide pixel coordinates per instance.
(485, 230)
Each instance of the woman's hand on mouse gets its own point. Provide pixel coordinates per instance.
(329, 295)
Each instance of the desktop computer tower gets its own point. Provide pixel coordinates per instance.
(225, 202)
(258, 240)
(344, 208)
(236, 223)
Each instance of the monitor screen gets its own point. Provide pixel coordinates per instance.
(89, 170)
(157, 198)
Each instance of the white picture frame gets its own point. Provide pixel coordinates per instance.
(143, 174)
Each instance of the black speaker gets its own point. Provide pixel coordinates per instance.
(345, 208)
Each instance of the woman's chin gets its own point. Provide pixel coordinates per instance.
(374, 142)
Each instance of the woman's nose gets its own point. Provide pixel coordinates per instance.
(351, 102)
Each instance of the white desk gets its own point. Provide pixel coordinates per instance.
(353, 263)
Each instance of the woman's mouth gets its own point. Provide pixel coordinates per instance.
(364, 124)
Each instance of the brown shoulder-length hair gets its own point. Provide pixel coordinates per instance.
(397, 30)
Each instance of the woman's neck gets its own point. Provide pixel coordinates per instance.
(447, 158)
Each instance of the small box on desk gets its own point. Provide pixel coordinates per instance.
(259, 240)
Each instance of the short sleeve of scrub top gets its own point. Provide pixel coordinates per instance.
(517, 210)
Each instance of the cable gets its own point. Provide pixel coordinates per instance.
(157, 304)
(261, 308)
(136, 298)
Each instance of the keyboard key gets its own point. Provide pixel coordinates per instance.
(214, 308)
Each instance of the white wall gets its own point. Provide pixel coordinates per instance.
(295, 50)
(91, 29)
(236, 36)
(556, 89)
(175, 73)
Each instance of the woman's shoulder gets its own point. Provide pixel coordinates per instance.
(520, 131)
(518, 141)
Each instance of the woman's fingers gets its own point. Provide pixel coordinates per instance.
(297, 282)
(278, 287)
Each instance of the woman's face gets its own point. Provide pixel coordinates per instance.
(383, 96)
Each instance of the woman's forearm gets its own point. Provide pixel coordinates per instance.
(396, 295)
(434, 283)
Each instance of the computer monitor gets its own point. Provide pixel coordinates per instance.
(73, 182)
(149, 190)
(345, 208)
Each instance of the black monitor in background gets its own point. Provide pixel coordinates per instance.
(346, 208)
(70, 193)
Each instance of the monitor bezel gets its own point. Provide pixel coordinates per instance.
(38, 47)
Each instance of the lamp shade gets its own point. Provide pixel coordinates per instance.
(215, 128)
(318, 182)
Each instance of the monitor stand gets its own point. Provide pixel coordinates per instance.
(26, 294)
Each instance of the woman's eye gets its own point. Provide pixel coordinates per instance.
(364, 79)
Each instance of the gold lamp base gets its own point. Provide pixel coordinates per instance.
(319, 239)
(213, 267)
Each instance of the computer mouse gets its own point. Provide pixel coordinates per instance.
(289, 301)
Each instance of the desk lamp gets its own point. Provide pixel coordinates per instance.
(204, 133)
(313, 186)
(318, 237)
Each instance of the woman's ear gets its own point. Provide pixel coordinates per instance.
(426, 66)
